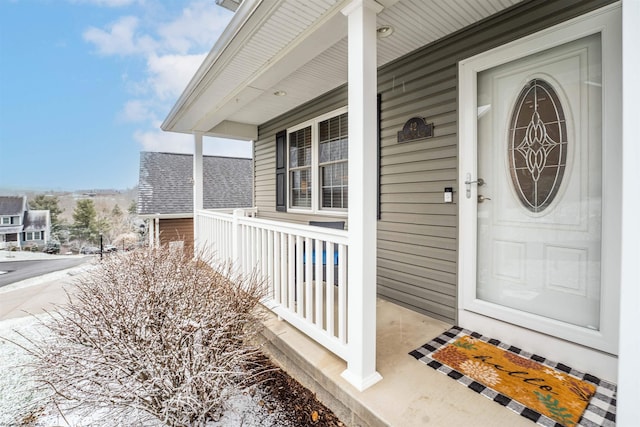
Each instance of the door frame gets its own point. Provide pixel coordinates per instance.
(528, 329)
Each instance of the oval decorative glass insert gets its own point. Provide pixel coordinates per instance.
(537, 145)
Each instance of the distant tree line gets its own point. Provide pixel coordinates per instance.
(88, 224)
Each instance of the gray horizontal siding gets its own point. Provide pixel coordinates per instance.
(417, 232)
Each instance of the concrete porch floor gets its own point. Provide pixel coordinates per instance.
(410, 393)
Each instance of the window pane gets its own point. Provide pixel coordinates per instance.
(334, 185)
(301, 188)
(324, 152)
(300, 147)
(324, 130)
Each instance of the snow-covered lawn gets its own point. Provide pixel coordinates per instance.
(16, 388)
(19, 402)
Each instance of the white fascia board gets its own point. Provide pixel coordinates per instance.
(188, 116)
(166, 216)
(222, 45)
(234, 130)
(315, 40)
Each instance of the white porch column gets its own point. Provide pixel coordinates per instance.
(361, 363)
(156, 241)
(198, 184)
(151, 232)
(629, 351)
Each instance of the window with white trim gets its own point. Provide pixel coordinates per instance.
(318, 163)
(33, 235)
(6, 220)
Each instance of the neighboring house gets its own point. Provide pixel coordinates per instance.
(165, 192)
(478, 152)
(21, 227)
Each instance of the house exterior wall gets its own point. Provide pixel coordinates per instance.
(265, 157)
(417, 231)
(35, 242)
(176, 230)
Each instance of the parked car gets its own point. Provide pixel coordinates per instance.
(90, 250)
(51, 248)
(109, 248)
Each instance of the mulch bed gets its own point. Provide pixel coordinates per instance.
(292, 404)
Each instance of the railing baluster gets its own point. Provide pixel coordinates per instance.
(342, 294)
(283, 268)
(308, 283)
(319, 294)
(245, 249)
(292, 273)
(331, 308)
(266, 256)
(275, 252)
(299, 295)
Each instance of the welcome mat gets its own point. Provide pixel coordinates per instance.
(548, 393)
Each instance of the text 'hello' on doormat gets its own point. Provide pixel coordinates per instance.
(548, 393)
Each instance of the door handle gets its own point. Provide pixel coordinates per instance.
(481, 198)
(468, 183)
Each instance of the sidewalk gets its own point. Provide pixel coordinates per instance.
(38, 294)
(24, 255)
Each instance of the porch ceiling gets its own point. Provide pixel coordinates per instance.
(300, 48)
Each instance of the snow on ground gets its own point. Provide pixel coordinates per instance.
(18, 400)
(16, 395)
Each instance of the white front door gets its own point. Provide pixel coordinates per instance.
(538, 182)
(539, 154)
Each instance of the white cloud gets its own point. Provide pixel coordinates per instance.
(158, 140)
(120, 38)
(108, 3)
(182, 143)
(172, 49)
(200, 25)
(137, 110)
(169, 74)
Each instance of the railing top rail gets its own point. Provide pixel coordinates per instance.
(226, 215)
(331, 235)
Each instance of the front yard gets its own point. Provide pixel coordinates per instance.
(150, 338)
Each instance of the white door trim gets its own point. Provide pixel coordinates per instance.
(606, 21)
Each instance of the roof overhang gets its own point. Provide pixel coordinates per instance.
(167, 216)
(11, 230)
(185, 215)
(299, 50)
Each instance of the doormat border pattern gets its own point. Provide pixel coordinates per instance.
(601, 411)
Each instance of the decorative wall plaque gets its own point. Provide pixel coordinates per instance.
(415, 128)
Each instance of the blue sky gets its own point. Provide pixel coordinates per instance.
(85, 84)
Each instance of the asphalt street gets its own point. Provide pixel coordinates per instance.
(15, 271)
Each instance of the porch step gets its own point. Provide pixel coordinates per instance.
(315, 368)
(410, 393)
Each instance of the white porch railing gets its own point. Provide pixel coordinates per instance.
(290, 258)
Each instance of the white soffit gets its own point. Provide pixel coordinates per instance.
(274, 58)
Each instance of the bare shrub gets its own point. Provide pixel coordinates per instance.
(154, 332)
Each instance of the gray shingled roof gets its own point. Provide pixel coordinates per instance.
(35, 220)
(165, 183)
(13, 205)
